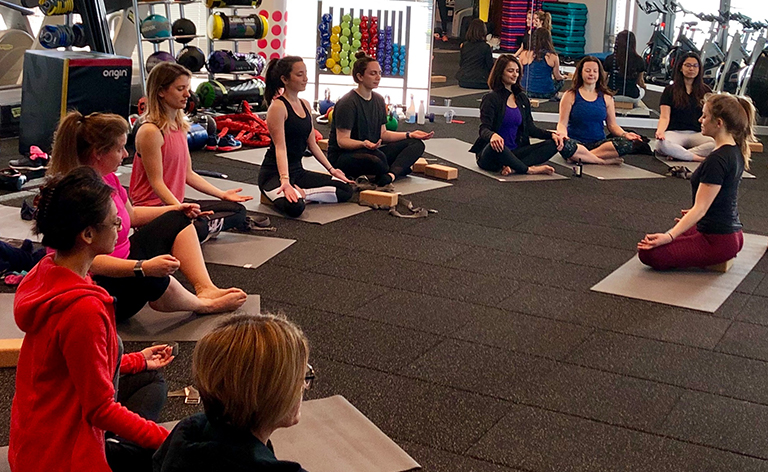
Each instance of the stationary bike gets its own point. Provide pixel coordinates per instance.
(658, 46)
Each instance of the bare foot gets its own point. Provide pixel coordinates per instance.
(216, 292)
(698, 158)
(613, 161)
(506, 170)
(229, 302)
(545, 169)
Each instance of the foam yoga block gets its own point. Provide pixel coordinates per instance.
(419, 166)
(265, 200)
(723, 267)
(756, 147)
(9, 352)
(442, 172)
(535, 102)
(323, 143)
(624, 105)
(374, 197)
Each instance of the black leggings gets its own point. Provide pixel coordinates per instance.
(396, 158)
(226, 215)
(151, 240)
(443, 8)
(521, 158)
(319, 188)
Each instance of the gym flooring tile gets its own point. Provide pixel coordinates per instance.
(755, 311)
(726, 423)
(439, 460)
(583, 233)
(598, 256)
(303, 255)
(674, 364)
(427, 313)
(762, 289)
(745, 339)
(537, 439)
(411, 410)
(472, 214)
(484, 370)
(523, 333)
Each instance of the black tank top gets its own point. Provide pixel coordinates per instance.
(296, 134)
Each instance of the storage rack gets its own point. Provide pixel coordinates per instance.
(235, 41)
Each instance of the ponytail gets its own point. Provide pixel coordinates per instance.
(78, 138)
(64, 156)
(276, 70)
(738, 116)
(748, 134)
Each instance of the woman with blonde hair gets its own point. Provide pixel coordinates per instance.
(163, 167)
(709, 233)
(139, 270)
(251, 372)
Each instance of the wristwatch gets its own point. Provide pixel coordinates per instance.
(407, 135)
(137, 270)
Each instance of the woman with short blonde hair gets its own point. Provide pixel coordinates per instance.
(251, 372)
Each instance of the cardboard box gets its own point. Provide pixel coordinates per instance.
(442, 172)
(374, 197)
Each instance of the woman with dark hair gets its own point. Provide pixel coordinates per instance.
(475, 58)
(358, 131)
(163, 167)
(709, 233)
(678, 132)
(69, 361)
(585, 110)
(507, 125)
(540, 64)
(625, 69)
(282, 178)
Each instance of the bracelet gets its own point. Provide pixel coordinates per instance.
(669, 233)
(407, 135)
(285, 177)
(137, 269)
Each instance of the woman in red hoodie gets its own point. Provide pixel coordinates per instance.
(71, 355)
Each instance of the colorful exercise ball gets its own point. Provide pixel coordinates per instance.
(335, 47)
(357, 35)
(355, 21)
(344, 62)
(336, 56)
(356, 44)
(345, 32)
(346, 70)
(344, 39)
(334, 38)
(330, 62)
(336, 69)
(345, 47)
(346, 18)
(354, 29)
(336, 30)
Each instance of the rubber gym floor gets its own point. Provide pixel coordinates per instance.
(472, 339)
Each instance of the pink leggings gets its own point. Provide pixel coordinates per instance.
(693, 249)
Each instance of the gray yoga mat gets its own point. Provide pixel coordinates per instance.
(696, 289)
(150, 325)
(692, 166)
(243, 250)
(611, 172)
(13, 227)
(453, 91)
(457, 151)
(8, 328)
(256, 157)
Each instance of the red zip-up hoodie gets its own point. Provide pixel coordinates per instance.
(65, 398)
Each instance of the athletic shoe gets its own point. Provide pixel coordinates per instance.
(12, 179)
(213, 143)
(27, 211)
(37, 160)
(229, 143)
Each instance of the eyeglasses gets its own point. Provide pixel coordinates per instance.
(694, 65)
(118, 223)
(309, 378)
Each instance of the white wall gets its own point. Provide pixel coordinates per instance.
(595, 25)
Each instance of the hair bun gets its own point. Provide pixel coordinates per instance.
(360, 54)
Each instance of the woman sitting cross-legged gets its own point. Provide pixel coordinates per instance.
(507, 125)
(282, 177)
(252, 372)
(678, 133)
(709, 233)
(358, 131)
(541, 76)
(585, 110)
(475, 58)
(68, 364)
(140, 268)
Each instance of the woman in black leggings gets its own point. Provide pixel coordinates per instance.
(358, 131)
(283, 179)
(507, 125)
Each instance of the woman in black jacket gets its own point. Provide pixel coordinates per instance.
(507, 125)
(476, 58)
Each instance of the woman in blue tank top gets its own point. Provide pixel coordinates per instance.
(540, 64)
(282, 178)
(585, 110)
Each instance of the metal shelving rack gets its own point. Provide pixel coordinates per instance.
(235, 41)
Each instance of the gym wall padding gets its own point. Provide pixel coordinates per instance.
(58, 81)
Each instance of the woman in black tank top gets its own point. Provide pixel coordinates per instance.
(283, 179)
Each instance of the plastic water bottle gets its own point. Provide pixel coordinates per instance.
(410, 113)
(420, 118)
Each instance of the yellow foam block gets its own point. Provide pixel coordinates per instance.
(323, 143)
(723, 267)
(9, 352)
(442, 172)
(756, 147)
(374, 197)
(438, 79)
(420, 165)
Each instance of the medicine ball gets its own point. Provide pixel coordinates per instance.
(158, 57)
(155, 27)
(183, 27)
(191, 57)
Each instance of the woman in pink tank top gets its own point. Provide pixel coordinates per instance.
(163, 168)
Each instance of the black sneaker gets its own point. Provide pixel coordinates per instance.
(36, 160)
(12, 179)
(27, 211)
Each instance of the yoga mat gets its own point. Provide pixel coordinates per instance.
(612, 172)
(256, 157)
(150, 325)
(13, 227)
(331, 436)
(453, 91)
(457, 151)
(8, 328)
(692, 166)
(243, 250)
(334, 436)
(696, 289)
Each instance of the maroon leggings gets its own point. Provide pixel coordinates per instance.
(693, 249)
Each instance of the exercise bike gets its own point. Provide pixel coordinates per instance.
(658, 46)
(732, 71)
